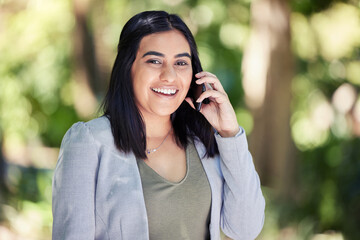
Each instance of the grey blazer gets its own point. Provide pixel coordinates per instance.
(97, 192)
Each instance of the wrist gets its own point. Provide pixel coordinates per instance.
(229, 133)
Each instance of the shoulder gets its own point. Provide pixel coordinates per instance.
(100, 128)
(97, 130)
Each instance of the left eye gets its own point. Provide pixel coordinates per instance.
(181, 63)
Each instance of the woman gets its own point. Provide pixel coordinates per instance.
(153, 167)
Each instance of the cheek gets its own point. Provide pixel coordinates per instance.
(187, 76)
(139, 78)
(189, 79)
(138, 86)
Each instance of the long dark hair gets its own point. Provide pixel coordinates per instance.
(119, 107)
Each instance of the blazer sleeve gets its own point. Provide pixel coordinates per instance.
(73, 186)
(243, 210)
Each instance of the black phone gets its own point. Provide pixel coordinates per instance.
(197, 90)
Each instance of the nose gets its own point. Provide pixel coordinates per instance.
(168, 73)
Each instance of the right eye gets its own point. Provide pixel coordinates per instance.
(153, 61)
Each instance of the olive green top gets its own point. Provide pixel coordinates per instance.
(177, 210)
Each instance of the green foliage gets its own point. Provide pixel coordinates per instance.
(322, 128)
(331, 192)
(36, 64)
(37, 105)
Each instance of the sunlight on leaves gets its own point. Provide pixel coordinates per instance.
(303, 39)
(234, 35)
(337, 30)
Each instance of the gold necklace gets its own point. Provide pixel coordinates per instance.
(151, 150)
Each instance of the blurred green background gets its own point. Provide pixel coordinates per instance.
(291, 69)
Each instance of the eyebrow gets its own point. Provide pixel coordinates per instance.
(185, 54)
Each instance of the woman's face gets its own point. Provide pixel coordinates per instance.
(161, 73)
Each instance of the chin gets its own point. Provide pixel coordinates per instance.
(166, 111)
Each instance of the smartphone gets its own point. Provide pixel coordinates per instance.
(197, 91)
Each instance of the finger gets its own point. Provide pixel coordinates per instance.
(204, 74)
(190, 102)
(213, 80)
(219, 97)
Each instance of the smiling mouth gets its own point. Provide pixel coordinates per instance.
(165, 91)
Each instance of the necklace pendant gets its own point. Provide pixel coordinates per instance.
(148, 151)
(151, 150)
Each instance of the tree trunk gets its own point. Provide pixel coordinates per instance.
(87, 74)
(268, 70)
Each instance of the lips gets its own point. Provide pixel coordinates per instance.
(165, 91)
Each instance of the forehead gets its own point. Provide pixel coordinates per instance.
(172, 41)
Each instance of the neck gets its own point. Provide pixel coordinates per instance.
(157, 126)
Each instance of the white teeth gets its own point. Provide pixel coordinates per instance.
(165, 91)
